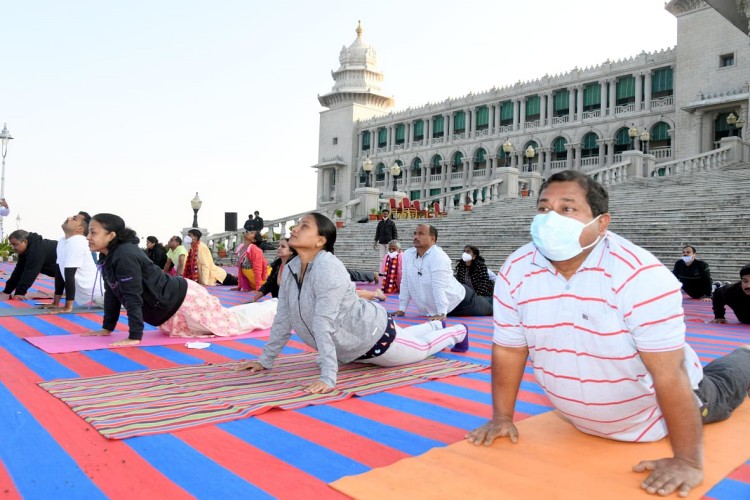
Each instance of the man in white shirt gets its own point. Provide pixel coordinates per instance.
(76, 272)
(427, 278)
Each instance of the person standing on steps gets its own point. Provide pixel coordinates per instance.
(385, 233)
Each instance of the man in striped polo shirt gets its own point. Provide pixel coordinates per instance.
(601, 321)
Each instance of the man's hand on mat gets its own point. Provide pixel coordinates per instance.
(125, 343)
(669, 475)
(397, 313)
(493, 429)
(718, 320)
(58, 309)
(253, 366)
(254, 295)
(97, 333)
(318, 387)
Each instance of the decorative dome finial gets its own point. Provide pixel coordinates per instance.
(359, 29)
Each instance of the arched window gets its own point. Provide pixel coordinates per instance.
(660, 136)
(622, 140)
(559, 151)
(435, 165)
(416, 167)
(457, 162)
(380, 172)
(480, 160)
(589, 146)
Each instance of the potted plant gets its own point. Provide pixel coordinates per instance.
(373, 214)
(6, 251)
(524, 190)
(340, 221)
(221, 250)
(468, 205)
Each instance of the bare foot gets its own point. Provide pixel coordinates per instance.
(96, 333)
(379, 295)
(125, 343)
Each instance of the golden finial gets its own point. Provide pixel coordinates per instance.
(359, 29)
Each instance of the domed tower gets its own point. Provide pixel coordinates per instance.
(356, 95)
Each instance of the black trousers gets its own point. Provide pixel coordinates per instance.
(473, 305)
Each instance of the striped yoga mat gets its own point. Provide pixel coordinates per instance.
(156, 401)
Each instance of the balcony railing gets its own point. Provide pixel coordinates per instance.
(459, 136)
(625, 108)
(558, 164)
(556, 120)
(592, 114)
(661, 153)
(531, 124)
(662, 102)
(591, 160)
(437, 140)
(436, 178)
(480, 172)
(457, 176)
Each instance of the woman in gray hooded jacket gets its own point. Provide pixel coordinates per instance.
(318, 300)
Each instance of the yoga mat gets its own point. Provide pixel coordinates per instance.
(35, 311)
(156, 401)
(56, 344)
(551, 460)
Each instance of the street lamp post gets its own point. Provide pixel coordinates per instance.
(507, 149)
(5, 138)
(645, 137)
(18, 221)
(395, 171)
(732, 122)
(196, 204)
(530, 152)
(367, 167)
(632, 133)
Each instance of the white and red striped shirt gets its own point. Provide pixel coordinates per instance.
(584, 334)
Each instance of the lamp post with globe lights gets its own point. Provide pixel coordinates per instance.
(507, 149)
(645, 137)
(5, 138)
(196, 203)
(530, 153)
(395, 171)
(367, 167)
(632, 133)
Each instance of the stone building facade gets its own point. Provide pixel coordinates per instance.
(670, 104)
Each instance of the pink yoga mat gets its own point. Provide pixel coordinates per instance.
(56, 344)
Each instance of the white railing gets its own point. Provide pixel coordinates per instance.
(558, 164)
(531, 124)
(556, 120)
(591, 114)
(417, 144)
(590, 161)
(480, 172)
(416, 179)
(457, 176)
(625, 108)
(481, 133)
(698, 163)
(661, 153)
(398, 147)
(484, 194)
(436, 177)
(437, 140)
(505, 128)
(379, 184)
(617, 158)
(459, 136)
(662, 102)
(380, 150)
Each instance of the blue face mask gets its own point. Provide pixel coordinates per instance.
(687, 259)
(558, 237)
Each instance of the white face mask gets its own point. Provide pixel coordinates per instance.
(687, 259)
(466, 257)
(188, 240)
(558, 237)
(392, 255)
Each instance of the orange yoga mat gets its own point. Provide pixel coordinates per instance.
(552, 460)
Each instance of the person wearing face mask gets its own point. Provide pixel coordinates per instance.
(200, 266)
(471, 271)
(602, 323)
(693, 274)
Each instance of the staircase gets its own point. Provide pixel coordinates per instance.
(709, 210)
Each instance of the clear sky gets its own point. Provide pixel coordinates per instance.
(132, 107)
